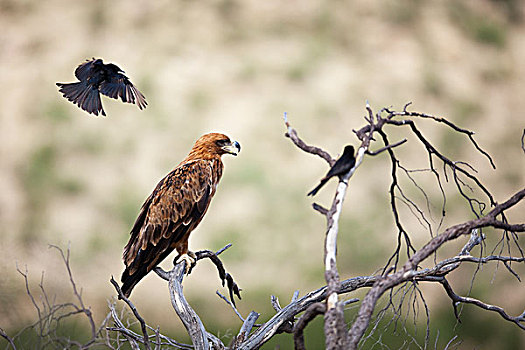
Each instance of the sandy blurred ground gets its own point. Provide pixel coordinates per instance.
(236, 67)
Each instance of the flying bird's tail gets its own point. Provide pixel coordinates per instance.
(315, 190)
(83, 95)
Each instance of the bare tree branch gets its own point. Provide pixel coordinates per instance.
(78, 295)
(246, 328)
(271, 327)
(134, 339)
(320, 209)
(225, 277)
(310, 313)
(456, 299)
(135, 312)
(234, 308)
(523, 141)
(408, 270)
(334, 317)
(448, 123)
(188, 316)
(8, 338)
(292, 134)
(382, 149)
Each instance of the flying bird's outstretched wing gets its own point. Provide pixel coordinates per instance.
(176, 206)
(95, 77)
(84, 70)
(118, 85)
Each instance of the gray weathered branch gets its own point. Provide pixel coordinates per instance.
(409, 268)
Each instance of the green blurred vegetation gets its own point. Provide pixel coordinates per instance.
(478, 25)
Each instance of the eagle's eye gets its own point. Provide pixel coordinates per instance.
(222, 142)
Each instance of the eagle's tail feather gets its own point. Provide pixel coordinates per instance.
(130, 281)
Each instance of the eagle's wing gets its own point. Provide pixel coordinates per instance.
(170, 213)
(118, 85)
(83, 71)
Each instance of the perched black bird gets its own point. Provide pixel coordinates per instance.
(96, 77)
(341, 167)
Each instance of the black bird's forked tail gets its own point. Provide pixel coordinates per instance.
(315, 190)
(83, 95)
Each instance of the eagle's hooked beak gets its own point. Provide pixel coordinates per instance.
(233, 148)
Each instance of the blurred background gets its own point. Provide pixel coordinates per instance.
(69, 178)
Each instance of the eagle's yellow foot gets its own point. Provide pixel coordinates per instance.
(190, 258)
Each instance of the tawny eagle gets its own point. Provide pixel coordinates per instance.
(176, 206)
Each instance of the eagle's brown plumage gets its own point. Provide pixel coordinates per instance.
(176, 206)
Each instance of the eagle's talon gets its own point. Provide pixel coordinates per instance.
(190, 258)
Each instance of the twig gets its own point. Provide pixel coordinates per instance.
(320, 209)
(432, 150)
(249, 323)
(456, 299)
(87, 312)
(295, 296)
(382, 149)
(401, 232)
(246, 328)
(28, 291)
(310, 313)
(292, 134)
(275, 303)
(523, 141)
(8, 338)
(225, 277)
(215, 343)
(408, 270)
(448, 123)
(135, 312)
(233, 307)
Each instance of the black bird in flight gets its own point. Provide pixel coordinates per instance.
(341, 167)
(95, 78)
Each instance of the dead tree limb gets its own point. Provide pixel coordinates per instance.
(523, 141)
(409, 268)
(192, 322)
(4, 335)
(310, 313)
(188, 316)
(334, 318)
(377, 124)
(292, 134)
(225, 277)
(135, 313)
